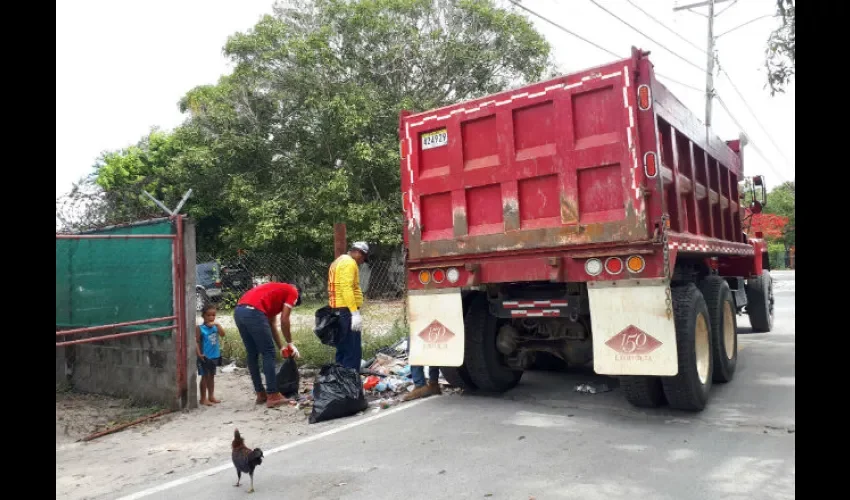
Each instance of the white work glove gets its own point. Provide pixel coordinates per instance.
(295, 353)
(356, 321)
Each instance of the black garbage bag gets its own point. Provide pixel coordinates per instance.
(288, 378)
(327, 326)
(337, 393)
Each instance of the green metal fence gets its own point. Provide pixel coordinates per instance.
(107, 281)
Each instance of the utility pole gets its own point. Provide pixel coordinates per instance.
(709, 65)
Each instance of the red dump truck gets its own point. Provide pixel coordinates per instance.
(587, 218)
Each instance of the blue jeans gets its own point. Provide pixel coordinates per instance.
(418, 374)
(349, 348)
(256, 334)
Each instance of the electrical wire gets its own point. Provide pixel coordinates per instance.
(615, 16)
(553, 23)
(609, 52)
(750, 141)
(758, 122)
(671, 30)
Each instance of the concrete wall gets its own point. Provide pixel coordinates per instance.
(142, 367)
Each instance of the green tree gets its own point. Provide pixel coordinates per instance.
(304, 132)
(781, 201)
(780, 59)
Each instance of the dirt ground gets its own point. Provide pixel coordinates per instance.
(170, 446)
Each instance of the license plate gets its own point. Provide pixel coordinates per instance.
(435, 139)
(237, 283)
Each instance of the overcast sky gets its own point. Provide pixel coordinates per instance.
(122, 66)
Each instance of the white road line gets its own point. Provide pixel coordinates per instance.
(229, 465)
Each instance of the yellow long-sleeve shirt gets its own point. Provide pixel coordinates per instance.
(344, 284)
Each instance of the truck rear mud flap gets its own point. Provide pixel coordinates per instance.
(436, 327)
(633, 328)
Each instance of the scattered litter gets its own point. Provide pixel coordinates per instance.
(370, 382)
(592, 389)
(229, 368)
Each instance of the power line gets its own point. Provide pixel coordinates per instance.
(749, 138)
(761, 126)
(727, 8)
(553, 23)
(647, 14)
(615, 16)
(729, 78)
(609, 52)
(701, 91)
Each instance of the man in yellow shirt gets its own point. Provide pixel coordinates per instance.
(345, 297)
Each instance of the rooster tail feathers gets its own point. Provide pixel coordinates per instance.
(237, 439)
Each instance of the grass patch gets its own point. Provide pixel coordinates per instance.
(313, 353)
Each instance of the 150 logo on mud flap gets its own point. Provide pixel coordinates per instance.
(436, 335)
(633, 343)
(435, 139)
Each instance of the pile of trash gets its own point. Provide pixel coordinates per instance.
(387, 376)
(385, 379)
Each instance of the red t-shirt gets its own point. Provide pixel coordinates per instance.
(270, 298)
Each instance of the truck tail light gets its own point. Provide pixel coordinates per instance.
(650, 167)
(218, 284)
(453, 275)
(438, 275)
(424, 277)
(635, 263)
(644, 98)
(614, 265)
(593, 267)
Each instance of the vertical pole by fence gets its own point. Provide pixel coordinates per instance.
(179, 311)
(339, 239)
(189, 262)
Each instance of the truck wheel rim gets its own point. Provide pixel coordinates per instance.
(728, 330)
(702, 348)
(198, 302)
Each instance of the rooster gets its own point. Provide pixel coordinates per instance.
(245, 459)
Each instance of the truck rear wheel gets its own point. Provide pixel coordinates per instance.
(724, 327)
(643, 392)
(485, 365)
(760, 302)
(689, 389)
(457, 376)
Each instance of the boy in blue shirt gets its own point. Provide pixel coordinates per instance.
(209, 353)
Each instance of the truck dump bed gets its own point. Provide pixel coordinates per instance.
(549, 165)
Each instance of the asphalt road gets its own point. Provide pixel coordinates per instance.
(543, 440)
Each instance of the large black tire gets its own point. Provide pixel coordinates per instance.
(457, 376)
(760, 302)
(643, 392)
(483, 361)
(724, 327)
(689, 389)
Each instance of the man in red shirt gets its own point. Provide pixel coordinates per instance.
(254, 318)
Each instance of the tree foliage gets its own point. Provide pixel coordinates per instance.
(304, 132)
(777, 220)
(780, 59)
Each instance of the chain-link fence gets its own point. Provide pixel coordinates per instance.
(223, 280)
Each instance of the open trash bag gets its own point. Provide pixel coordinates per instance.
(288, 378)
(327, 326)
(337, 393)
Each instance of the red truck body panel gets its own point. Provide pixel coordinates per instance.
(523, 185)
